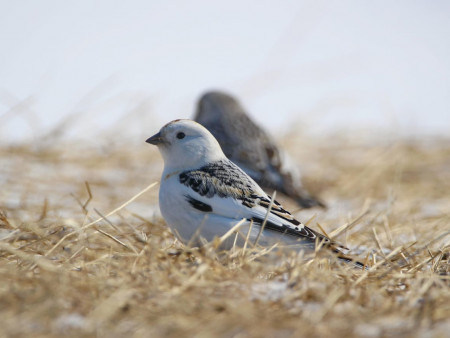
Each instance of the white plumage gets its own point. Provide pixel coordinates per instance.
(203, 194)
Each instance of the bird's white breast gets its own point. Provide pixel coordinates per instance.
(187, 222)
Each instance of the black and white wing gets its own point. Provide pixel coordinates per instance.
(222, 188)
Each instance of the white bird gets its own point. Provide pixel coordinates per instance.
(251, 148)
(203, 195)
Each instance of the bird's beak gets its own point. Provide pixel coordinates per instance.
(155, 139)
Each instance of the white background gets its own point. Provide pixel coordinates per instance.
(82, 67)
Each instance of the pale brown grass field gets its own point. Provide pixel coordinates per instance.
(64, 273)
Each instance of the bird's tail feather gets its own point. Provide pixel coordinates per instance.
(350, 260)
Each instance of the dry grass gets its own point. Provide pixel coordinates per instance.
(70, 266)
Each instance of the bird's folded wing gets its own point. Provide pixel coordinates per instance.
(225, 189)
(254, 209)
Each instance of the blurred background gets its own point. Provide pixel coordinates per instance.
(81, 69)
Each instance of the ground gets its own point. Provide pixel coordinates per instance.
(85, 252)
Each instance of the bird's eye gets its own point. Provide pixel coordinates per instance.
(180, 135)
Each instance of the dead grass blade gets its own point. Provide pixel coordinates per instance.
(37, 260)
(274, 195)
(101, 218)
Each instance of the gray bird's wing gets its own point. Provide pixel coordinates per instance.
(250, 147)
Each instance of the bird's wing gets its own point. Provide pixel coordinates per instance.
(223, 189)
(240, 138)
(250, 147)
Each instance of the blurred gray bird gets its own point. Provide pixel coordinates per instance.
(251, 148)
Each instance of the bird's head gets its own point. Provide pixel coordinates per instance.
(213, 105)
(186, 144)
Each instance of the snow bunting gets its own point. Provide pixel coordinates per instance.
(203, 195)
(251, 148)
